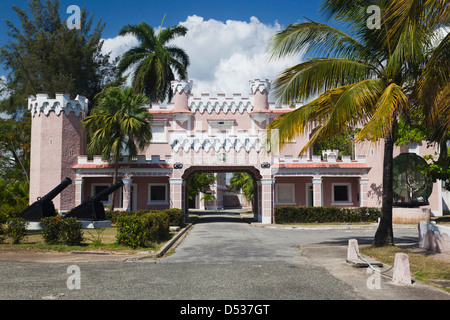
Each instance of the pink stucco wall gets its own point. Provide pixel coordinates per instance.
(52, 138)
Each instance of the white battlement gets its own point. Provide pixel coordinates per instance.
(220, 102)
(62, 102)
(203, 140)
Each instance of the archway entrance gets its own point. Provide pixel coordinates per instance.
(251, 170)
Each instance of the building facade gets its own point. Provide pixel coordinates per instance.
(206, 133)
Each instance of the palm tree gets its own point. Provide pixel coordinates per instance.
(244, 181)
(119, 123)
(363, 78)
(154, 60)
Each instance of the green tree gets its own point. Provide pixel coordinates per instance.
(362, 78)
(119, 123)
(200, 182)
(243, 181)
(44, 55)
(14, 166)
(155, 61)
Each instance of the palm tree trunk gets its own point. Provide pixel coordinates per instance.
(113, 195)
(384, 235)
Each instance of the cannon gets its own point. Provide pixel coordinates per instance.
(93, 209)
(44, 206)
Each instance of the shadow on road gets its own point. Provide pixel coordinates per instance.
(369, 240)
(228, 216)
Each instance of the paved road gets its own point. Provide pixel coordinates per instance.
(222, 258)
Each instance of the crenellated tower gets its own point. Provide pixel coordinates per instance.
(57, 139)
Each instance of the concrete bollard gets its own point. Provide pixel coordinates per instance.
(352, 250)
(402, 273)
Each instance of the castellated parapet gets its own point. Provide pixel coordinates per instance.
(62, 102)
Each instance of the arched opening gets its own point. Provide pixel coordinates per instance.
(251, 170)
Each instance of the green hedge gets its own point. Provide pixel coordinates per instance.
(176, 216)
(291, 214)
(142, 228)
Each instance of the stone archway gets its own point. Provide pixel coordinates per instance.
(254, 173)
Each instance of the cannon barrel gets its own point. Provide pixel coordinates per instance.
(93, 209)
(44, 207)
(52, 194)
(102, 195)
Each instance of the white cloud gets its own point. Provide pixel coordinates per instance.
(224, 55)
(119, 45)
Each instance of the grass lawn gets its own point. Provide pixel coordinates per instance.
(94, 240)
(424, 265)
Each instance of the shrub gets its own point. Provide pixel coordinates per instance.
(290, 214)
(130, 230)
(16, 229)
(2, 232)
(156, 226)
(112, 215)
(176, 217)
(142, 228)
(56, 230)
(72, 235)
(52, 229)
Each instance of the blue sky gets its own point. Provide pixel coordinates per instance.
(231, 32)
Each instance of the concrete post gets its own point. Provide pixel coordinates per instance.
(352, 250)
(402, 273)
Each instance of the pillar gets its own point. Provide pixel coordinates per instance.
(126, 200)
(267, 192)
(317, 192)
(78, 191)
(176, 193)
(363, 182)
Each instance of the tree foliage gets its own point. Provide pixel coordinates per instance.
(200, 182)
(156, 62)
(118, 125)
(364, 78)
(14, 165)
(44, 56)
(243, 181)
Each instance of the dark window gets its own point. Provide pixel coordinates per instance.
(341, 193)
(158, 193)
(98, 189)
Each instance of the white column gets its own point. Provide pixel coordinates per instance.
(317, 192)
(363, 182)
(78, 191)
(267, 190)
(126, 200)
(176, 193)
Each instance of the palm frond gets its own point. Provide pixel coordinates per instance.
(314, 76)
(392, 102)
(316, 39)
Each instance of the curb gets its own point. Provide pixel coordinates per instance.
(172, 243)
(328, 227)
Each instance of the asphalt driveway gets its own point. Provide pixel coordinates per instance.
(222, 257)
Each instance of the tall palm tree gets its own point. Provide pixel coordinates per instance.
(244, 181)
(360, 78)
(118, 123)
(155, 61)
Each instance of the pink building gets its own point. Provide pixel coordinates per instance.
(207, 133)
